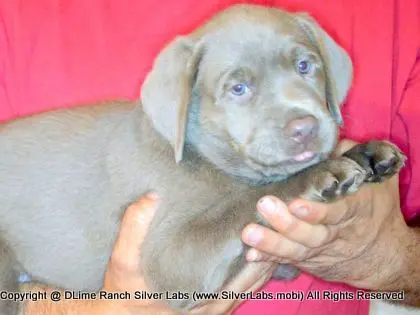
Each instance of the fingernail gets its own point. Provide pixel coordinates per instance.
(253, 255)
(300, 211)
(254, 236)
(152, 195)
(267, 205)
(150, 201)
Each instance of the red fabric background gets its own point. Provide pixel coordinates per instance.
(61, 53)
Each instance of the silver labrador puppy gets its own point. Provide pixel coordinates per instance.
(245, 101)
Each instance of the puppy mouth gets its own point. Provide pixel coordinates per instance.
(286, 167)
(306, 156)
(302, 158)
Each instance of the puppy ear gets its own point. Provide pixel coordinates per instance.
(338, 67)
(166, 91)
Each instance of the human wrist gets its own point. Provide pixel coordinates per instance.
(410, 272)
(111, 307)
(69, 307)
(403, 273)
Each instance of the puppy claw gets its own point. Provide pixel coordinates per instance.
(381, 159)
(332, 179)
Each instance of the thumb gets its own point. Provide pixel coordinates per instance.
(133, 229)
(319, 213)
(343, 146)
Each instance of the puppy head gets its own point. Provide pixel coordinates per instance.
(260, 88)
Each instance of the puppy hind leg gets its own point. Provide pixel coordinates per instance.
(9, 273)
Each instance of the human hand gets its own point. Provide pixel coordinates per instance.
(361, 240)
(123, 274)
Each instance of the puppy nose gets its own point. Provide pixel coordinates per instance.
(302, 129)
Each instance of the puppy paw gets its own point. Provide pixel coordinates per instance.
(333, 179)
(380, 159)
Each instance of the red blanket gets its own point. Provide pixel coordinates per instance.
(61, 53)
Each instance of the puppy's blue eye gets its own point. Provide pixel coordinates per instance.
(239, 89)
(304, 66)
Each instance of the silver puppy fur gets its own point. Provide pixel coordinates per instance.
(228, 114)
